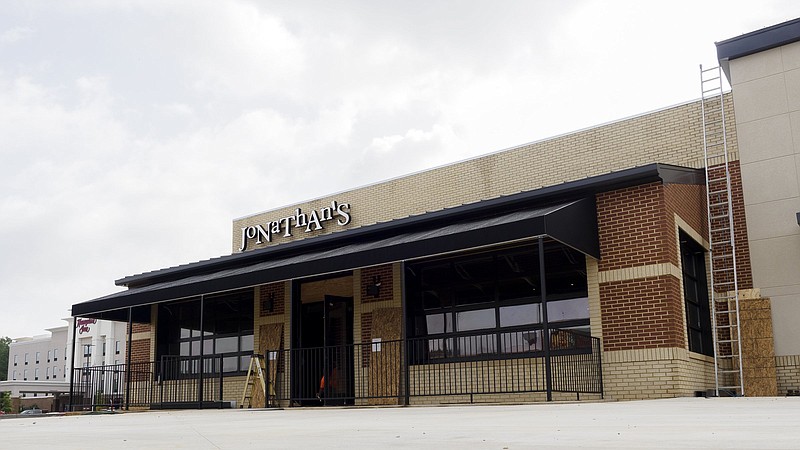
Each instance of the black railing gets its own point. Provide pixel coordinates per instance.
(469, 365)
(172, 382)
(99, 387)
(336, 375)
(511, 362)
(189, 381)
(490, 366)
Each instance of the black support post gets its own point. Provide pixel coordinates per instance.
(128, 361)
(404, 337)
(201, 369)
(72, 364)
(220, 383)
(292, 354)
(548, 372)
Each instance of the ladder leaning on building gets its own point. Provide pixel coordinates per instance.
(255, 370)
(724, 281)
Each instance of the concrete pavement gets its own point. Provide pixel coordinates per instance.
(671, 423)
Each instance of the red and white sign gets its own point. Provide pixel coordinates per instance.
(83, 325)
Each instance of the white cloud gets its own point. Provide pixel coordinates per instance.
(16, 34)
(134, 132)
(248, 53)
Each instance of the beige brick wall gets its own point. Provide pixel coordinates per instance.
(528, 397)
(232, 388)
(672, 135)
(656, 373)
(363, 308)
(284, 317)
(788, 373)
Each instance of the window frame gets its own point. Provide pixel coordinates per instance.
(457, 336)
(190, 338)
(699, 336)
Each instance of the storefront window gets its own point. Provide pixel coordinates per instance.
(227, 330)
(527, 314)
(490, 303)
(570, 309)
(479, 319)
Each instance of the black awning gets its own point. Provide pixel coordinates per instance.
(573, 223)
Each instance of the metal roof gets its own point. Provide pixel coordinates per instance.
(564, 212)
(757, 41)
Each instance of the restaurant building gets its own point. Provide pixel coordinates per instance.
(583, 266)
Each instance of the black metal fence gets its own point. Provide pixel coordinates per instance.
(100, 387)
(513, 362)
(387, 372)
(171, 382)
(471, 365)
(336, 375)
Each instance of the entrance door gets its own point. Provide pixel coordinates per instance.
(323, 359)
(338, 364)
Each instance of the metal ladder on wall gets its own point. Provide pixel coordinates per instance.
(726, 328)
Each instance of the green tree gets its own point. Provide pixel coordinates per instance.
(4, 341)
(5, 402)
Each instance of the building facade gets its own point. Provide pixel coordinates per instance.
(41, 357)
(573, 267)
(40, 367)
(765, 81)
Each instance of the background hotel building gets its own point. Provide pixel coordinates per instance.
(577, 265)
(39, 366)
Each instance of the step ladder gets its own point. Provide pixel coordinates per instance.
(726, 329)
(255, 370)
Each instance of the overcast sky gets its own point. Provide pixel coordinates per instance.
(133, 133)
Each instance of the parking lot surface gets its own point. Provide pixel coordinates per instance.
(672, 423)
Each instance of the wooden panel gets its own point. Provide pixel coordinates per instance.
(270, 337)
(384, 366)
(758, 347)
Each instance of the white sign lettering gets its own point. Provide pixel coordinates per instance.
(299, 220)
